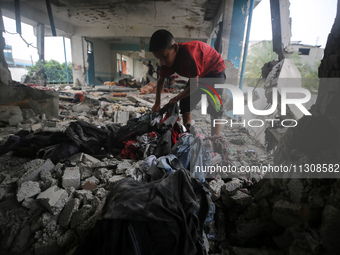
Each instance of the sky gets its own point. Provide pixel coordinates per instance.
(312, 21)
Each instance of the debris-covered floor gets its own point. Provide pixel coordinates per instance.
(51, 199)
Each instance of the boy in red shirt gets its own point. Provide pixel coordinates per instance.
(193, 59)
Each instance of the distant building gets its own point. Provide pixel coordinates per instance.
(308, 53)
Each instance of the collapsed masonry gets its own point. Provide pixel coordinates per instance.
(49, 208)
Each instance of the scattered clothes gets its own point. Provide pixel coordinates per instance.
(90, 138)
(182, 149)
(191, 153)
(169, 130)
(161, 217)
(147, 143)
(130, 150)
(151, 160)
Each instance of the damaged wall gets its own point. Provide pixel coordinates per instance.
(317, 137)
(102, 61)
(5, 74)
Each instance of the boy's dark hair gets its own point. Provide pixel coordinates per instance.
(160, 40)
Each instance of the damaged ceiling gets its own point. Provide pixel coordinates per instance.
(119, 19)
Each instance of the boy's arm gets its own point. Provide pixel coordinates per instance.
(159, 88)
(187, 92)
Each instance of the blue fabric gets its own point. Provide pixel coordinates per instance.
(151, 160)
(191, 153)
(164, 163)
(182, 150)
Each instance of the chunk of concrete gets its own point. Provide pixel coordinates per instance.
(84, 158)
(33, 169)
(36, 127)
(11, 115)
(80, 108)
(123, 166)
(113, 180)
(241, 198)
(28, 189)
(120, 117)
(66, 214)
(230, 188)
(286, 214)
(216, 186)
(90, 183)
(53, 199)
(71, 177)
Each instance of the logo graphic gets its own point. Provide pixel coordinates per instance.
(218, 104)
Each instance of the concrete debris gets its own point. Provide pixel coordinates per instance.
(33, 169)
(53, 199)
(28, 189)
(66, 214)
(48, 208)
(12, 115)
(71, 177)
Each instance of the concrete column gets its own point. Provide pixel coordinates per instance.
(5, 74)
(41, 41)
(79, 60)
(226, 28)
(281, 27)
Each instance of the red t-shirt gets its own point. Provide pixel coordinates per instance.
(193, 59)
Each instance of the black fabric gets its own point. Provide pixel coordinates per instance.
(88, 137)
(134, 127)
(172, 210)
(164, 144)
(118, 237)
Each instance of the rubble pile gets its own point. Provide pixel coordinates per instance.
(276, 216)
(48, 208)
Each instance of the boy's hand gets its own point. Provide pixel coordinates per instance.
(173, 100)
(155, 108)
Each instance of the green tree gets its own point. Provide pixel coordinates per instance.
(263, 53)
(309, 72)
(55, 72)
(258, 55)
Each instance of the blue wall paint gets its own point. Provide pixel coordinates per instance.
(238, 24)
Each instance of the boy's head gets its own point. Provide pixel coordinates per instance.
(163, 47)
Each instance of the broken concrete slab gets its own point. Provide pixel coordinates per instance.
(103, 174)
(36, 127)
(114, 179)
(231, 187)
(241, 198)
(66, 214)
(84, 158)
(71, 177)
(53, 199)
(120, 117)
(286, 214)
(123, 166)
(28, 189)
(33, 169)
(41, 101)
(79, 108)
(216, 186)
(11, 115)
(31, 204)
